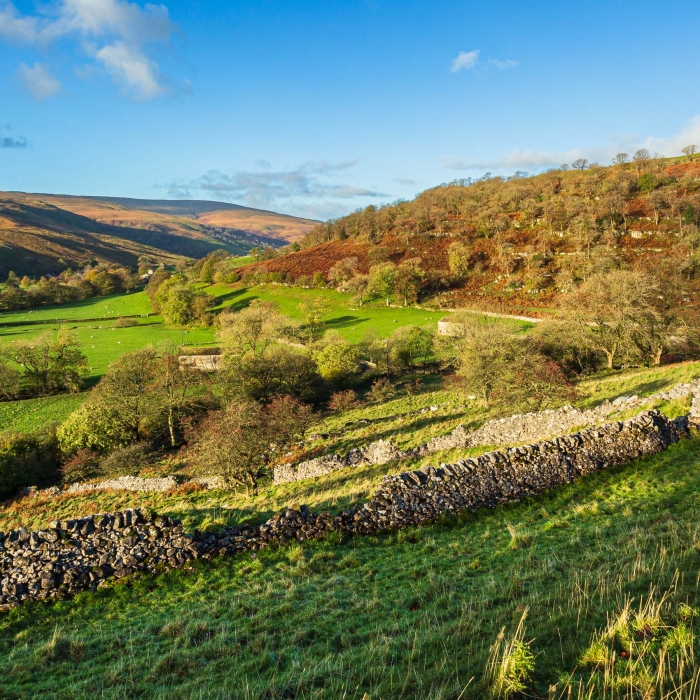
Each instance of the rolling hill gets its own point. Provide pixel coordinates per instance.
(43, 233)
(520, 243)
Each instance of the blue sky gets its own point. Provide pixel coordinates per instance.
(316, 108)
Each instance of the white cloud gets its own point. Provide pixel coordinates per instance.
(465, 60)
(39, 81)
(503, 64)
(132, 69)
(519, 158)
(304, 189)
(115, 33)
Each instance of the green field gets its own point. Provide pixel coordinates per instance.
(33, 414)
(107, 307)
(103, 344)
(405, 615)
(352, 322)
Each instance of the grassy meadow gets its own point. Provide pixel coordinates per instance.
(31, 415)
(107, 307)
(602, 573)
(351, 321)
(412, 614)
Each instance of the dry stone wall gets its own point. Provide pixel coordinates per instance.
(513, 430)
(77, 555)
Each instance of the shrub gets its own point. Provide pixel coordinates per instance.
(382, 390)
(126, 461)
(125, 323)
(83, 465)
(27, 460)
(343, 400)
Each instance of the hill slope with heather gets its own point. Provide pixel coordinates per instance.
(523, 241)
(42, 234)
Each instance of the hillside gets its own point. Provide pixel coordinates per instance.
(524, 241)
(42, 234)
(602, 571)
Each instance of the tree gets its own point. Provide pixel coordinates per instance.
(606, 308)
(689, 150)
(238, 442)
(281, 371)
(641, 158)
(580, 164)
(382, 279)
(338, 362)
(125, 396)
(412, 346)
(357, 286)
(314, 312)
(378, 254)
(458, 256)
(507, 370)
(664, 319)
(253, 330)
(342, 271)
(409, 280)
(174, 385)
(51, 363)
(620, 159)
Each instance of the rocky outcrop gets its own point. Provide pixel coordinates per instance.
(77, 555)
(513, 430)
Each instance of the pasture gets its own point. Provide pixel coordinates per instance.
(107, 307)
(351, 321)
(410, 614)
(31, 415)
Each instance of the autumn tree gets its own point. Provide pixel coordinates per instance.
(342, 271)
(252, 330)
(174, 385)
(606, 308)
(458, 256)
(505, 369)
(357, 287)
(314, 312)
(239, 442)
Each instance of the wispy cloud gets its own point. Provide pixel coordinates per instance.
(468, 60)
(524, 158)
(504, 64)
(465, 60)
(38, 81)
(116, 34)
(9, 140)
(405, 180)
(309, 188)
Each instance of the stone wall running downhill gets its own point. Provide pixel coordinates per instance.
(77, 555)
(513, 430)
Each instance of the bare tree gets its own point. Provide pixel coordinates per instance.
(607, 307)
(689, 150)
(621, 159)
(580, 164)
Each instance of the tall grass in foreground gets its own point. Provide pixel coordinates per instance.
(606, 570)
